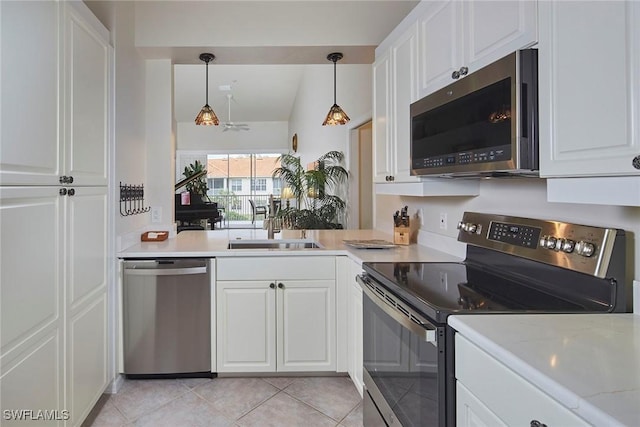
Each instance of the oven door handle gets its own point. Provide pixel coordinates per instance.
(426, 330)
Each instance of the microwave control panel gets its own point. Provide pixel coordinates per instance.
(464, 158)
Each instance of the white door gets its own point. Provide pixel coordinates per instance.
(246, 326)
(404, 54)
(306, 325)
(86, 285)
(496, 28)
(31, 340)
(588, 88)
(86, 357)
(440, 45)
(382, 126)
(471, 412)
(87, 93)
(30, 135)
(355, 328)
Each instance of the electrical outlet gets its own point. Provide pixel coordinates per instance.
(443, 220)
(420, 214)
(156, 214)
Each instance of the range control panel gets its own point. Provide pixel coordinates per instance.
(583, 248)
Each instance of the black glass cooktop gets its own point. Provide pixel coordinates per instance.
(440, 289)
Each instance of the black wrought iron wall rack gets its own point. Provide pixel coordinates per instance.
(132, 200)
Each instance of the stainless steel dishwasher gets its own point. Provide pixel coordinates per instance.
(167, 317)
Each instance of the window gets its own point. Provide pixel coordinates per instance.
(215, 185)
(259, 184)
(277, 186)
(236, 185)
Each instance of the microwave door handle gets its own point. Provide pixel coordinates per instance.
(424, 331)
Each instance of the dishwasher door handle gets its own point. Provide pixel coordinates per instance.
(164, 271)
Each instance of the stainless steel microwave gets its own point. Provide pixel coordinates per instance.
(485, 124)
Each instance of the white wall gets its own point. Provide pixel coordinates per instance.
(264, 137)
(524, 197)
(265, 23)
(130, 142)
(161, 141)
(315, 97)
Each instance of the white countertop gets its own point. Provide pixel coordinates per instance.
(588, 362)
(214, 244)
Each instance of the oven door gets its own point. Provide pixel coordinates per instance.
(404, 362)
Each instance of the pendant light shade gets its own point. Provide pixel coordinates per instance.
(206, 116)
(336, 115)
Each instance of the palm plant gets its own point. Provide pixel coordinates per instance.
(197, 186)
(315, 190)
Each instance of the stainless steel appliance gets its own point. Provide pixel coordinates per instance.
(512, 265)
(485, 124)
(167, 317)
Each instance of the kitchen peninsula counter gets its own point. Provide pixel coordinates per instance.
(215, 243)
(590, 363)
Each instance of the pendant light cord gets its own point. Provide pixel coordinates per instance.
(334, 81)
(207, 83)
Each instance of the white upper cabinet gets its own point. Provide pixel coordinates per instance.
(31, 134)
(87, 93)
(589, 91)
(54, 94)
(458, 38)
(382, 155)
(395, 88)
(440, 47)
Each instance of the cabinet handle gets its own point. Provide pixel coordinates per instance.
(280, 285)
(71, 192)
(536, 423)
(464, 71)
(272, 285)
(455, 75)
(63, 191)
(636, 162)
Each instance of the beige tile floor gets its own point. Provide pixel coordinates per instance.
(236, 402)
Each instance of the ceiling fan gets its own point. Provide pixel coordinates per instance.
(229, 124)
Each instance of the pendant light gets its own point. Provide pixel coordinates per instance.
(336, 115)
(206, 116)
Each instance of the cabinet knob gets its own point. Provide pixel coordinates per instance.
(70, 180)
(464, 71)
(63, 191)
(636, 162)
(455, 75)
(272, 285)
(280, 285)
(536, 423)
(71, 192)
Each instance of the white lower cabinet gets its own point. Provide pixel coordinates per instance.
(354, 327)
(276, 314)
(53, 301)
(491, 394)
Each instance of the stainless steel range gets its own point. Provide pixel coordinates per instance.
(512, 265)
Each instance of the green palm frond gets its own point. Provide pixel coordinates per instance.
(317, 207)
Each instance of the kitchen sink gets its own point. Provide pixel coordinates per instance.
(274, 244)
